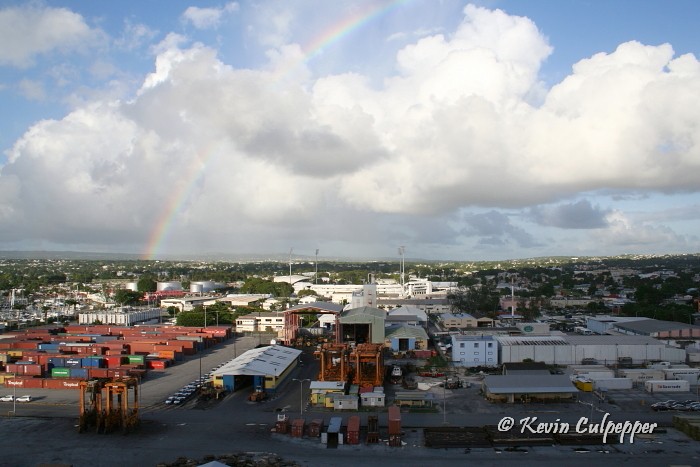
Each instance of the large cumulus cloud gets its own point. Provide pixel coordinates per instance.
(221, 153)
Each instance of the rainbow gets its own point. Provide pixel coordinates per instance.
(161, 229)
(339, 30)
(159, 233)
(349, 24)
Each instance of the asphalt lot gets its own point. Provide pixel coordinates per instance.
(44, 431)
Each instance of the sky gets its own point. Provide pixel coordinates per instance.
(485, 130)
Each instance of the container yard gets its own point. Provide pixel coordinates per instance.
(61, 357)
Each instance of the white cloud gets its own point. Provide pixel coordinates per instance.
(28, 31)
(32, 89)
(269, 155)
(134, 36)
(205, 18)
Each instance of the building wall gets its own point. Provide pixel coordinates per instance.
(474, 352)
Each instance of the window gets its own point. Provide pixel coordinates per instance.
(490, 353)
(461, 345)
(476, 345)
(476, 353)
(490, 344)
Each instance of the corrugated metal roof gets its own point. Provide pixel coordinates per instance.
(518, 384)
(531, 340)
(608, 340)
(263, 361)
(321, 306)
(362, 314)
(649, 326)
(405, 332)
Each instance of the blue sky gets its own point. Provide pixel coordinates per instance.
(464, 131)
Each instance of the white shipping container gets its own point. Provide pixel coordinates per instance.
(637, 375)
(598, 374)
(667, 386)
(674, 372)
(612, 384)
(659, 365)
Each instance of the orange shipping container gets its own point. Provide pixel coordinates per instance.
(60, 383)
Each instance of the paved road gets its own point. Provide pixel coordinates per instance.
(45, 432)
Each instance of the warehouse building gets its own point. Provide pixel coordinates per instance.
(528, 388)
(659, 329)
(260, 368)
(364, 325)
(573, 350)
(120, 317)
(404, 338)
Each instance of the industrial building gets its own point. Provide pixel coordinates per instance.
(262, 368)
(121, 316)
(362, 325)
(572, 350)
(403, 338)
(668, 330)
(471, 351)
(528, 388)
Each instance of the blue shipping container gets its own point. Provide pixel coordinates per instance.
(92, 363)
(81, 373)
(49, 347)
(57, 361)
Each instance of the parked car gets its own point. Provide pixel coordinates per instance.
(25, 398)
(7, 398)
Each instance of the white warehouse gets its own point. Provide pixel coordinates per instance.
(572, 350)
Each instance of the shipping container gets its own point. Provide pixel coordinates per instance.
(394, 420)
(136, 358)
(642, 374)
(612, 384)
(60, 372)
(298, 427)
(92, 362)
(50, 383)
(315, 428)
(353, 430)
(78, 373)
(667, 386)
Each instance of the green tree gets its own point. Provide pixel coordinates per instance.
(127, 297)
(146, 284)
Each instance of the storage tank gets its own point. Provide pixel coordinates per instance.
(133, 286)
(169, 285)
(205, 286)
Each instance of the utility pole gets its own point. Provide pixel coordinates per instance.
(290, 268)
(316, 275)
(402, 268)
(301, 394)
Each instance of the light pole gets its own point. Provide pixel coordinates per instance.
(316, 275)
(301, 394)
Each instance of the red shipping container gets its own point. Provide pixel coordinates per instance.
(60, 383)
(33, 370)
(353, 431)
(298, 427)
(98, 373)
(394, 420)
(31, 345)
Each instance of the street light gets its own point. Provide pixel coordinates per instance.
(301, 394)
